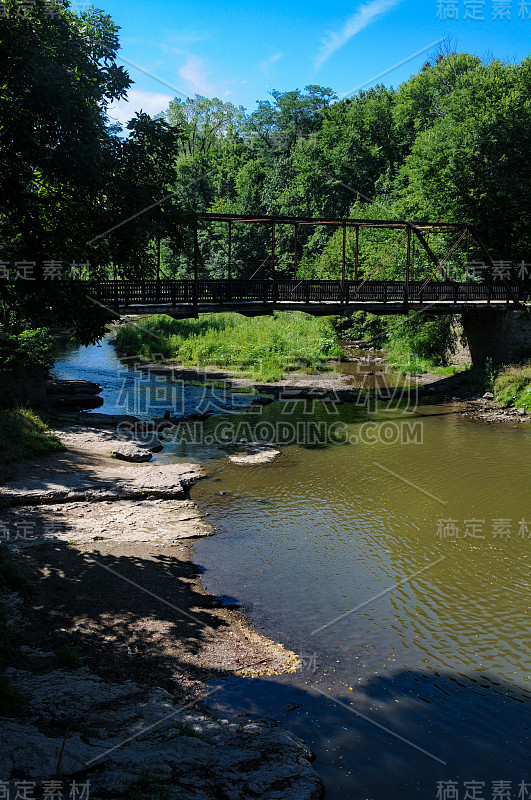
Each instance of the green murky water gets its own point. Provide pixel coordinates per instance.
(391, 551)
(397, 565)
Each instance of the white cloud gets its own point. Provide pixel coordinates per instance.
(194, 74)
(266, 65)
(363, 17)
(150, 102)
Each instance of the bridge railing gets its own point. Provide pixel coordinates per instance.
(225, 291)
(122, 294)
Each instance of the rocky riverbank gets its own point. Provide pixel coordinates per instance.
(118, 640)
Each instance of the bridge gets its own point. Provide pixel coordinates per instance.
(186, 298)
(362, 290)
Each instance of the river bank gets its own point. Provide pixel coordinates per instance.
(107, 547)
(302, 541)
(363, 378)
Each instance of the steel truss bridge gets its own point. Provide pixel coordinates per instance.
(362, 290)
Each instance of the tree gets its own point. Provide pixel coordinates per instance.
(60, 76)
(472, 163)
(292, 115)
(66, 177)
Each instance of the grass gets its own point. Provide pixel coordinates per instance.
(513, 385)
(407, 362)
(68, 658)
(23, 434)
(262, 348)
(451, 369)
(148, 786)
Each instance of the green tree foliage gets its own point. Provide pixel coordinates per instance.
(450, 143)
(472, 162)
(66, 177)
(292, 115)
(59, 78)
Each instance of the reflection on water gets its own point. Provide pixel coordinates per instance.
(369, 370)
(398, 567)
(140, 390)
(312, 546)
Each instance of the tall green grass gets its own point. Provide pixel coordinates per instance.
(513, 385)
(263, 348)
(23, 434)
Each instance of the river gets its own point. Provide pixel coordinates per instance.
(393, 557)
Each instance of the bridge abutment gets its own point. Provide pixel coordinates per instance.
(503, 336)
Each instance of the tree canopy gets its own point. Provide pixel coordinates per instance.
(66, 175)
(450, 143)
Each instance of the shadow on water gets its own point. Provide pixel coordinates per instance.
(387, 737)
(425, 718)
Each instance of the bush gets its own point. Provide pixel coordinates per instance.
(263, 348)
(417, 343)
(30, 347)
(513, 385)
(361, 325)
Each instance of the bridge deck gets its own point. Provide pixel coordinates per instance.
(255, 297)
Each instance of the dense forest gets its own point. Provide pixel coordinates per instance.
(452, 143)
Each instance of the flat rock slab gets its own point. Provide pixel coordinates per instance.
(117, 728)
(254, 455)
(72, 387)
(160, 522)
(128, 452)
(120, 482)
(75, 401)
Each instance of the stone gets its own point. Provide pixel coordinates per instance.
(254, 455)
(262, 401)
(150, 519)
(488, 396)
(82, 401)
(111, 483)
(63, 387)
(522, 412)
(118, 728)
(155, 447)
(128, 452)
(502, 336)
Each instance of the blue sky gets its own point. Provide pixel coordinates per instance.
(239, 51)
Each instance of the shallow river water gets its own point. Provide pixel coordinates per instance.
(395, 561)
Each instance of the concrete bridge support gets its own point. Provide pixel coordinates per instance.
(504, 336)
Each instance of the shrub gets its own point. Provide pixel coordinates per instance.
(31, 347)
(418, 343)
(361, 325)
(513, 385)
(262, 347)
